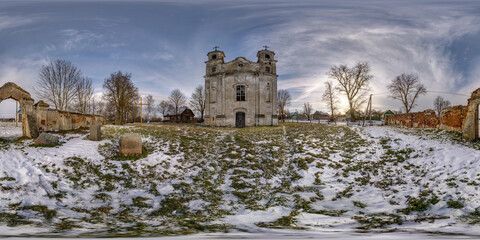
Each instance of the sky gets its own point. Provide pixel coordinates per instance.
(163, 44)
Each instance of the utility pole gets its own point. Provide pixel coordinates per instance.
(141, 110)
(368, 111)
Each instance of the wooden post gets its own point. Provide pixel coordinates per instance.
(141, 110)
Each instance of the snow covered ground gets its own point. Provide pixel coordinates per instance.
(10, 130)
(292, 181)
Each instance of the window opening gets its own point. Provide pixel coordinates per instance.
(240, 93)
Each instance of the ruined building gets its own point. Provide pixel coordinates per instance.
(38, 117)
(241, 93)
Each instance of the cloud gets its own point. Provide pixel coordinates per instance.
(9, 22)
(78, 39)
(309, 40)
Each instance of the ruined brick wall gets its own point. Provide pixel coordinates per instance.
(425, 119)
(404, 120)
(453, 118)
(54, 120)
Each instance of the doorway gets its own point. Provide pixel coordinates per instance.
(10, 120)
(240, 119)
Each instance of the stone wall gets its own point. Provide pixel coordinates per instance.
(460, 118)
(471, 124)
(453, 118)
(37, 117)
(425, 119)
(54, 120)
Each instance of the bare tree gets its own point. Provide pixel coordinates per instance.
(101, 108)
(330, 99)
(177, 99)
(164, 107)
(198, 100)
(353, 82)
(307, 110)
(57, 83)
(121, 94)
(83, 95)
(439, 104)
(109, 111)
(406, 88)
(150, 107)
(297, 113)
(287, 114)
(284, 100)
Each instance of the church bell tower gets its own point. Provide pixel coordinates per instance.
(215, 59)
(266, 59)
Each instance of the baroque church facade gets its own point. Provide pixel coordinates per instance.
(241, 93)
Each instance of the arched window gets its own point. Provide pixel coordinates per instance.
(267, 56)
(240, 93)
(214, 69)
(214, 56)
(267, 69)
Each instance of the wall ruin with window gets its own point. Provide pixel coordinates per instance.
(38, 117)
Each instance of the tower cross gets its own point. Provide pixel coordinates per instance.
(266, 47)
(141, 104)
(216, 48)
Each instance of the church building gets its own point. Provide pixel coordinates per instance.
(241, 93)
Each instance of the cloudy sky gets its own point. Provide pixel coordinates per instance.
(164, 43)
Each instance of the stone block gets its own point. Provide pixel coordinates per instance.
(131, 143)
(47, 139)
(95, 133)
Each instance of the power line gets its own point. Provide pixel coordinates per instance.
(459, 94)
(450, 93)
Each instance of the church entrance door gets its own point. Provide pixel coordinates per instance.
(240, 120)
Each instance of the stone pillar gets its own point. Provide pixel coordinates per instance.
(470, 126)
(95, 132)
(29, 119)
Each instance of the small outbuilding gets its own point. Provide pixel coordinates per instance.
(389, 112)
(185, 115)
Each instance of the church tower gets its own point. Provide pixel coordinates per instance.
(215, 59)
(266, 59)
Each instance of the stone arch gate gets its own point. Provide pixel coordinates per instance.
(471, 128)
(29, 120)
